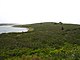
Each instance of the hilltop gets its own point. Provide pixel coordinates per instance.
(43, 41)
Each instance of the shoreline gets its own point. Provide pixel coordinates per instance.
(13, 27)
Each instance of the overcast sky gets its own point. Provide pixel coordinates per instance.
(34, 11)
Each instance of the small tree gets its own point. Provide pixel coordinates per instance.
(60, 23)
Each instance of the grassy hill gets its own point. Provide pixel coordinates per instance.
(43, 41)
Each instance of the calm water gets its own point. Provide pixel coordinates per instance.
(9, 28)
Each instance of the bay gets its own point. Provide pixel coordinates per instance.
(10, 28)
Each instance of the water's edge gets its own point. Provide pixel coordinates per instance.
(12, 29)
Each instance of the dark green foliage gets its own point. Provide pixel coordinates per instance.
(60, 23)
(44, 40)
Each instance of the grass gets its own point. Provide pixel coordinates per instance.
(43, 41)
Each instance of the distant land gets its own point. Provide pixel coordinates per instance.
(5, 24)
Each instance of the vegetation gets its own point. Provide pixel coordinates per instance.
(43, 41)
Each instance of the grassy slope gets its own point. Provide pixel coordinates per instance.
(43, 40)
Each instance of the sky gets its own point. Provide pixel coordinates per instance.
(35, 11)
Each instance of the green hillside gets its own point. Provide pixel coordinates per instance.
(43, 41)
